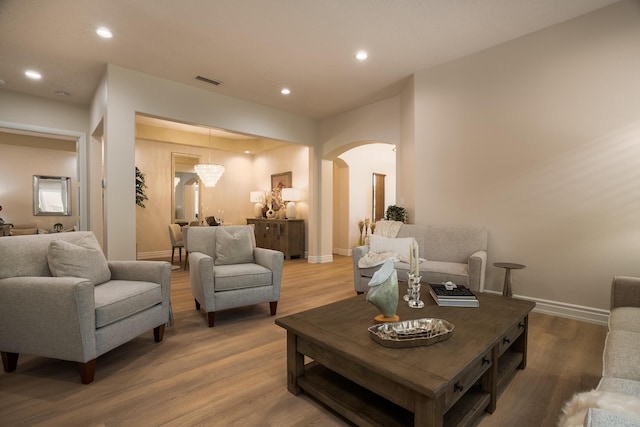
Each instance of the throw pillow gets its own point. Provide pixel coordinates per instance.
(233, 247)
(380, 244)
(83, 258)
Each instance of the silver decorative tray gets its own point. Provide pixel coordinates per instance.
(411, 333)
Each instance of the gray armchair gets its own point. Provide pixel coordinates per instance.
(60, 298)
(227, 270)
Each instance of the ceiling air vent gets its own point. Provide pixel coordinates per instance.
(210, 81)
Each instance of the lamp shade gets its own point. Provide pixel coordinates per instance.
(290, 194)
(256, 197)
(209, 173)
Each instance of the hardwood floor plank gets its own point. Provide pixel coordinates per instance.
(234, 374)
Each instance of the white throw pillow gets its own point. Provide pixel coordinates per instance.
(380, 244)
(233, 247)
(81, 259)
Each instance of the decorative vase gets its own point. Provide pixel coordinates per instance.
(383, 292)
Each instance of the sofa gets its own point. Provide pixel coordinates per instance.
(60, 298)
(447, 253)
(616, 400)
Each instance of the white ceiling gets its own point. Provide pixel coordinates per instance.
(256, 47)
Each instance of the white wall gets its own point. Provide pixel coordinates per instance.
(363, 162)
(539, 140)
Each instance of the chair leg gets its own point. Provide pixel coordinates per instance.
(87, 371)
(273, 306)
(9, 361)
(186, 259)
(211, 317)
(197, 304)
(180, 254)
(158, 333)
(173, 252)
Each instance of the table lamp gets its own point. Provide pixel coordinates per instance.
(258, 198)
(290, 196)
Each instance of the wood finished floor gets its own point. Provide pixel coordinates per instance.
(234, 374)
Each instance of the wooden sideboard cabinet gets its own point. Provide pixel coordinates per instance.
(284, 235)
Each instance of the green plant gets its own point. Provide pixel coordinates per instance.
(396, 213)
(140, 186)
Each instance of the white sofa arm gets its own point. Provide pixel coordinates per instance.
(477, 265)
(625, 292)
(360, 284)
(65, 304)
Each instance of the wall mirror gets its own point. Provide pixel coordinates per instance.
(51, 195)
(185, 189)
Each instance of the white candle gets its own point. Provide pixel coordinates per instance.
(417, 258)
(411, 257)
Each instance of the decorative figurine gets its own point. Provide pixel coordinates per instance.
(383, 292)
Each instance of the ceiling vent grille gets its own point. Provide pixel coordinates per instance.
(210, 81)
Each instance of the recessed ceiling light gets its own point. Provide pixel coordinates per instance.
(361, 55)
(104, 32)
(62, 93)
(33, 74)
(247, 152)
(285, 91)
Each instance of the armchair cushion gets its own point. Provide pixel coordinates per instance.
(233, 247)
(83, 258)
(119, 299)
(241, 276)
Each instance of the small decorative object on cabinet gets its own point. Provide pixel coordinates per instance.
(284, 235)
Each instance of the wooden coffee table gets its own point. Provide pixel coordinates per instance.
(449, 383)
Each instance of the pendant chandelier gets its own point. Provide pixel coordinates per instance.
(209, 173)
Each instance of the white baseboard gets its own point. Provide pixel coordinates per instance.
(340, 251)
(569, 311)
(320, 259)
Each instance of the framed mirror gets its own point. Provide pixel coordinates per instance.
(185, 198)
(377, 211)
(51, 195)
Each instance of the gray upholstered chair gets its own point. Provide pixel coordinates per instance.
(227, 270)
(61, 298)
(177, 241)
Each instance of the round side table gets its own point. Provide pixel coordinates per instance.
(508, 266)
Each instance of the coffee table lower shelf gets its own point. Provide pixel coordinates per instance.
(365, 408)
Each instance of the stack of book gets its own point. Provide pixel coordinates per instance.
(458, 296)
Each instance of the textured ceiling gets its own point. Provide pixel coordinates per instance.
(256, 47)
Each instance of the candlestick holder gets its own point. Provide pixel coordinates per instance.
(414, 301)
(410, 279)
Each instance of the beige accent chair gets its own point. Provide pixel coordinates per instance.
(61, 298)
(177, 241)
(227, 270)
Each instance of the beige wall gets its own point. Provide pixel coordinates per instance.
(539, 140)
(243, 173)
(18, 164)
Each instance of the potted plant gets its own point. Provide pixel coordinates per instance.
(140, 186)
(396, 213)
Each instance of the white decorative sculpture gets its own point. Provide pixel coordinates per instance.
(383, 292)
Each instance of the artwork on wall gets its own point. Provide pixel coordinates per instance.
(281, 180)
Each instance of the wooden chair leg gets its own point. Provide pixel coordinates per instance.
(186, 259)
(211, 317)
(173, 252)
(273, 306)
(9, 361)
(87, 371)
(158, 333)
(197, 304)
(180, 254)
